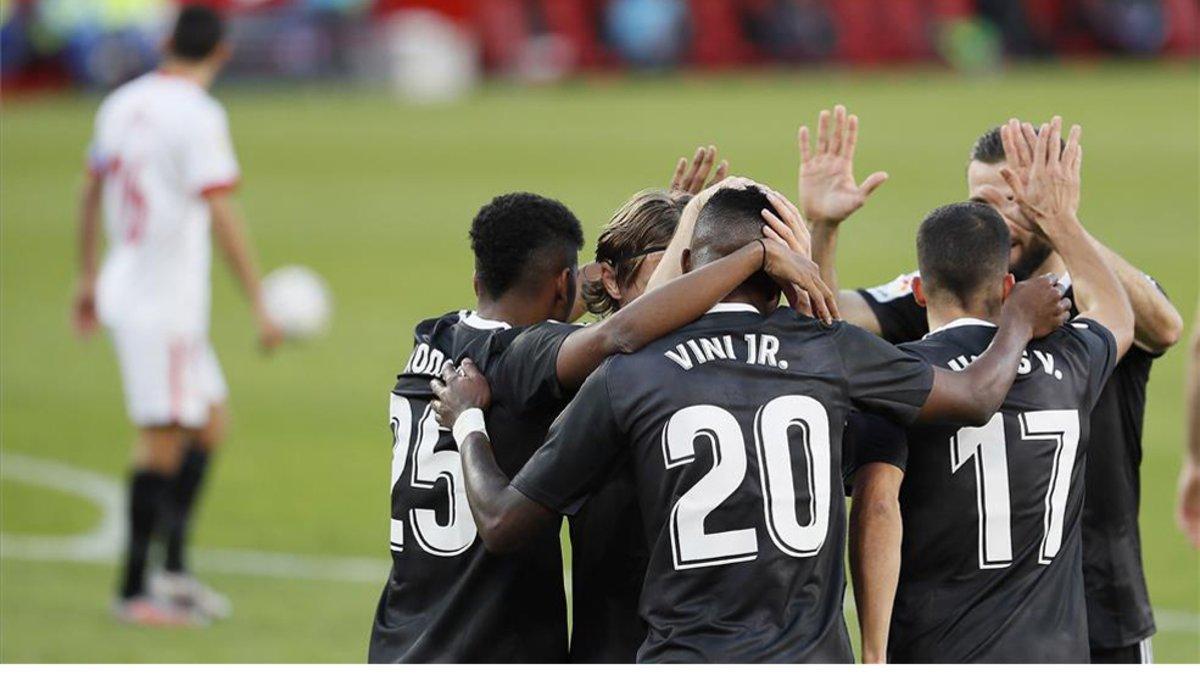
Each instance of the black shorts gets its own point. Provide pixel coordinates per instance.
(1138, 652)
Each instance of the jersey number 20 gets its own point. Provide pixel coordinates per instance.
(691, 545)
(429, 467)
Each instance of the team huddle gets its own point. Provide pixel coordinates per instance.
(984, 414)
(699, 436)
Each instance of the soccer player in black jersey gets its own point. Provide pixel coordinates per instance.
(991, 563)
(731, 426)
(1119, 614)
(608, 558)
(448, 599)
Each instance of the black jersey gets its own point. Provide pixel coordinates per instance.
(608, 566)
(447, 599)
(1119, 612)
(731, 427)
(991, 560)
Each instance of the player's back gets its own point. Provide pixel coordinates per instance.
(734, 424)
(160, 144)
(991, 558)
(448, 599)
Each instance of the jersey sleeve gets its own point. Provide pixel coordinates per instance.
(1158, 287)
(1100, 348)
(98, 155)
(871, 438)
(880, 377)
(579, 452)
(900, 318)
(526, 374)
(209, 163)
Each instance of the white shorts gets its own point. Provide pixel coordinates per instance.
(170, 378)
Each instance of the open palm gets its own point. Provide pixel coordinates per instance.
(828, 191)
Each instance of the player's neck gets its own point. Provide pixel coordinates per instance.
(199, 73)
(943, 314)
(510, 309)
(758, 300)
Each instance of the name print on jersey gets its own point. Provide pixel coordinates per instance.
(1045, 360)
(425, 360)
(761, 350)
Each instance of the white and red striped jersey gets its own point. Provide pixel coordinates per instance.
(161, 144)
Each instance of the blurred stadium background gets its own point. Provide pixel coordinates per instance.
(371, 130)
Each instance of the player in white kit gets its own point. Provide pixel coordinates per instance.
(161, 168)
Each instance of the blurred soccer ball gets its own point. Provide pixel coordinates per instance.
(298, 300)
(432, 60)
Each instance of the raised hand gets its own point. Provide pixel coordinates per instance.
(459, 390)
(1040, 304)
(800, 278)
(694, 177)
(1049, 192)
(828, 191)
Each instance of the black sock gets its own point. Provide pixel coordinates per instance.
(182, 495)
(145, 505)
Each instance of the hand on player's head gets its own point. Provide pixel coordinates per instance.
(1040, 302)
(459, 390)
(693, 177)
(799, 278)
(786, 223)
(828, 191)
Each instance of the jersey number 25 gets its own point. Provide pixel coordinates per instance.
(429, 467)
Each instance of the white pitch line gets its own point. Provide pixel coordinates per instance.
(103, 542)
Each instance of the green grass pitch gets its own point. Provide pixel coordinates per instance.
(377, 197)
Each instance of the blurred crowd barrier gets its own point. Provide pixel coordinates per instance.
(439, 48)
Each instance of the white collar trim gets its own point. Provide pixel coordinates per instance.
(962, 321)
(475, 321)
(723, 307)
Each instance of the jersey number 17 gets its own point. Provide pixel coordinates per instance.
(988, 447)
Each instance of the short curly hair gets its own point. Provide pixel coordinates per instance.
(520, 237)
(642, 225)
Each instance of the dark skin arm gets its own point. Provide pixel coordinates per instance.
(505, 518)
(683, 300)
(971, 396)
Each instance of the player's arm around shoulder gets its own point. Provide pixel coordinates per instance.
(685, 299)
(1035, 308)
(505, 518)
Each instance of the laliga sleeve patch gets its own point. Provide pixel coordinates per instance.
(896, 288)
